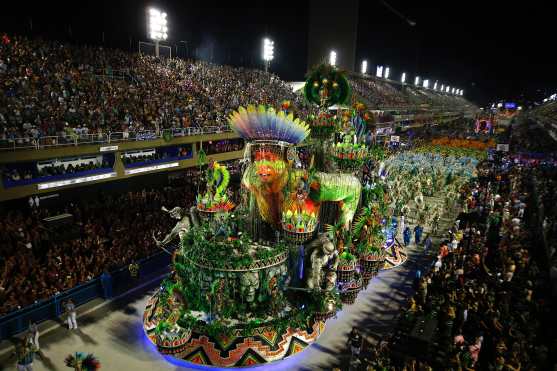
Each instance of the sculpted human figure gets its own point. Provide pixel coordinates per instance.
(180, 229)
(323, 256)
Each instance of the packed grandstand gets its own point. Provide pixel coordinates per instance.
(59, 93)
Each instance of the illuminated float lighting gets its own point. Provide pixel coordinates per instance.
(403, 78)
(387, 72)
(379, 71)
(417, 81)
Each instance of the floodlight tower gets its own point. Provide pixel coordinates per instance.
(158, 29)
(333, 58)
(364, 67)
(268, 52)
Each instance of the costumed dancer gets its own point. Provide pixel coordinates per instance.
(82, 362)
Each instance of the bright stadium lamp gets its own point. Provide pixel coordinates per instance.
(435, 85)
(426, 83)
(364, 67)
(403, 78)
(379, 71)
(417, 81)
(387, 72)
(333, 58)
(158, 27)
(268, 52)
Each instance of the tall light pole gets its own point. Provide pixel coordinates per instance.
(268, 52)
(158, 29)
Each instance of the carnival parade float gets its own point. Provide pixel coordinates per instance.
(255, 282)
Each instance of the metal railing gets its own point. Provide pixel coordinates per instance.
(13, 144)
(120, 281)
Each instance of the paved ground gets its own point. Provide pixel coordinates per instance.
(113, 332)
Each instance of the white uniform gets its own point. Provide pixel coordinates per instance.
(70, 309)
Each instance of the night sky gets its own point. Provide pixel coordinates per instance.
(492, 51)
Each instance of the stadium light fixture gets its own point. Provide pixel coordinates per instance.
(426, 83)
(333, 58)
(158, 27)
(364, 67)
(268, 52)
(387, 72)
(403, 78)
(379, 71)
(417, 81)
(435, 85)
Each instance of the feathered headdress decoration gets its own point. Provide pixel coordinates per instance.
(82, 361)
(264, 123)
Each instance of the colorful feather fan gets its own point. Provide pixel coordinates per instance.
(82, 361)
(264, 123)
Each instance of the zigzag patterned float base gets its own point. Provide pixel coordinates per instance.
(266, 343)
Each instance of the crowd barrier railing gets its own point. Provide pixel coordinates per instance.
(118, 282)
(13, 144)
